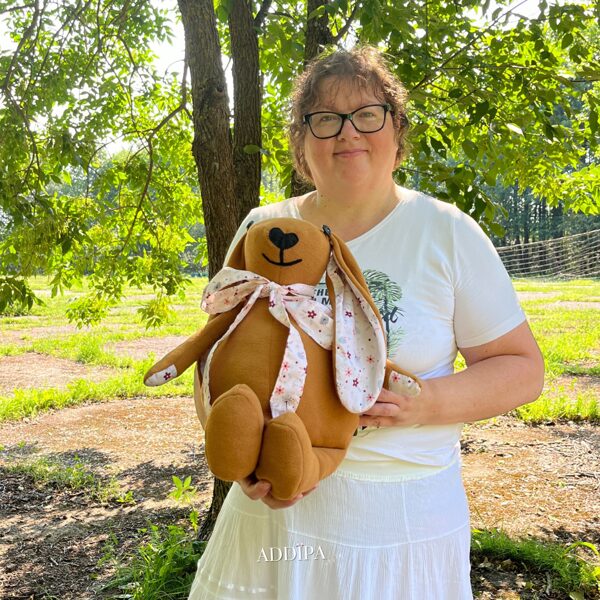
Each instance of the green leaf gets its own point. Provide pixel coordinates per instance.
(567, 40)
(481, 109)
(251, 149)
(470, 149)
(514, 128)
(438, 146)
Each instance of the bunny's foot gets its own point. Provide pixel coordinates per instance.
(286, 460)
(233, 433)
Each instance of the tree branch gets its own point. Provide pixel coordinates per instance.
(344, 30)
(142, 197)
(15, 8)
(26, 36)
(262, 13)
(430, 76)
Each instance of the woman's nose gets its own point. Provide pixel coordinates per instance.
(348, 130)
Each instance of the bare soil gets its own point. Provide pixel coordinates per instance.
(33, 370)
(24, 336)
(51, 540)
(541, 481)
(140, 349)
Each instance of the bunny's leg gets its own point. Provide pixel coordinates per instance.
(233, 433)
(289, 461)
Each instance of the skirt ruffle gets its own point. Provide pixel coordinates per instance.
(350, 539)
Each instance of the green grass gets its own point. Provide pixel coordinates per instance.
(562, 404)
(161, 568)
(568, 336)
(54, 473)
(567, 570)
(128, 384)
(576, 290)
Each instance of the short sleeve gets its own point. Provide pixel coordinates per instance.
(486, 305)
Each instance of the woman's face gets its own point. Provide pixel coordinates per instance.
(350, 158)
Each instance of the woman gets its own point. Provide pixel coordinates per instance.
(392, 521)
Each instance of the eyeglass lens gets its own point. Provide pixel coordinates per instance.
(367, 119)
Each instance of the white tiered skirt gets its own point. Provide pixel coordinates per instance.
(379, 537)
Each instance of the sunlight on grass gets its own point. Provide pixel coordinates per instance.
(129, 384)
(569, 336)
(568, 571)
(47, 471)
(563, 405)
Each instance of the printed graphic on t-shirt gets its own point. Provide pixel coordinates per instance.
(386, 294)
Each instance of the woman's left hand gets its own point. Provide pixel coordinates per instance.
(392, 410)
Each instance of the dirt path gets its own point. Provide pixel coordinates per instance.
(542, 481)
(51, 541)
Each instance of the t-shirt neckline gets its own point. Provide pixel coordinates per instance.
(369, 232)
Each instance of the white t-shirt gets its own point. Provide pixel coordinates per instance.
(439, 285)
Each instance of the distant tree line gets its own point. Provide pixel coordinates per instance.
(526, 218)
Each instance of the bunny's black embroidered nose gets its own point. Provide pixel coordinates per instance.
(282, 240)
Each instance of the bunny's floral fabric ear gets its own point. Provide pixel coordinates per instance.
(359, 348)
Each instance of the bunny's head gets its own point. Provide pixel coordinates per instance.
(285, 251)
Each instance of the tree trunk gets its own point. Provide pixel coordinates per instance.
(229, 177)
(212, 146)
(220, 489)
(317, 36)
(247, 92)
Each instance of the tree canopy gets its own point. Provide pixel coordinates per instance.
(498, 98)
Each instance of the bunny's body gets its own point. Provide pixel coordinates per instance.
(261, 340)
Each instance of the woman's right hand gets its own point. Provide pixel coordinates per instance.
(261, 490)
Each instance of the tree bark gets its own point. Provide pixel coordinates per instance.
(212, 146)
(220, 489)
(229, 177)
(247, 93)
(317, 36)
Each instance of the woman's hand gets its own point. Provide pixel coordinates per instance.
(392, 410)
(261, 490)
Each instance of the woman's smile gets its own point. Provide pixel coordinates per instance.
(350, 153)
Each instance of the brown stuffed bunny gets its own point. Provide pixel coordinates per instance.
(284, 377)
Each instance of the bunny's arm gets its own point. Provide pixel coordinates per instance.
(186, 354)
(399, 381)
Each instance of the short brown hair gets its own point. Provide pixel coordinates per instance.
(366, 67)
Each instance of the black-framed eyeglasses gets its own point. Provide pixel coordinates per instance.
(366, 119)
